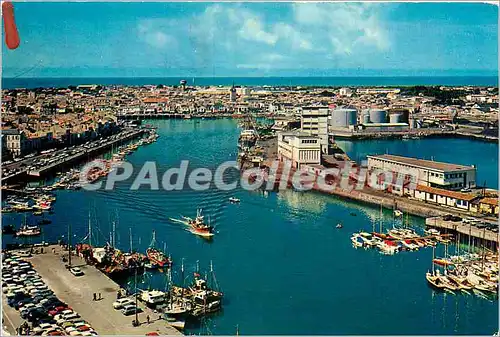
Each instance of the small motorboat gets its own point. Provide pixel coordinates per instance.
(431, 231)
(398, 213)
(234, 200)
(357, 240)
(339, 225)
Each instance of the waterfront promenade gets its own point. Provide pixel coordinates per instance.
(78, 293)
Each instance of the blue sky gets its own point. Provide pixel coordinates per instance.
(253, 39)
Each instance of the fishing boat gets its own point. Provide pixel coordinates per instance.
(156, 257)
(197, 226)
(234, 200)
(28, 231)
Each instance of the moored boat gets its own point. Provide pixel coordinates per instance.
(28, 231)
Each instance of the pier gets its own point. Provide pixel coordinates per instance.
(78, 292)
(477, 237)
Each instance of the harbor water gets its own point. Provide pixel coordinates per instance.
(283, 266)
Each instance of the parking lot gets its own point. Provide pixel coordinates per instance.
(77, 292)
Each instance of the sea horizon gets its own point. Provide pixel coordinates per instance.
(311, 81)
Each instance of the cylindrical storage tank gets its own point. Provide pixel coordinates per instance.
(366, 118)
(343, 117)
(395, 118)
(405, 114)
(378, 116)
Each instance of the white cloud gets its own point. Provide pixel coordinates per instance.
(347, 27)
(233, 35)
(154, 35)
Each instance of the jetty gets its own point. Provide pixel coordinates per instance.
(78, 292)
(468, 233)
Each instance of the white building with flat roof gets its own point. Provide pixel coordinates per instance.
(377, 91)
(427, 172)
(299, 148)
(314, 121)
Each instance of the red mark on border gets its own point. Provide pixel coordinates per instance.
(9, 24)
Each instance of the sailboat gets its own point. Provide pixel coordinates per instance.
(156, 257)
(433, 279)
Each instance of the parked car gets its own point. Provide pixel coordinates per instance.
(120, 303)
(130, 309)
(481, 225)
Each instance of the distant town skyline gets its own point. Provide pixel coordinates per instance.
(254, 39)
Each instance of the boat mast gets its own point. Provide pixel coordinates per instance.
(114, 234)
(69, 244)
(433, 256)
(214, 280)
(380, 218)
(90, 232)
(130, 238)
(153, 240)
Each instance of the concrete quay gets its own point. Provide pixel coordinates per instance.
(84, 154)
(480, 236)
(78, 292)
(81, 155)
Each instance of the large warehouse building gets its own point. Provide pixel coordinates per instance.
(427, 172)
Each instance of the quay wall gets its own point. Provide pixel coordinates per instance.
(388, 201)
(360, 135)
(84, 154)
